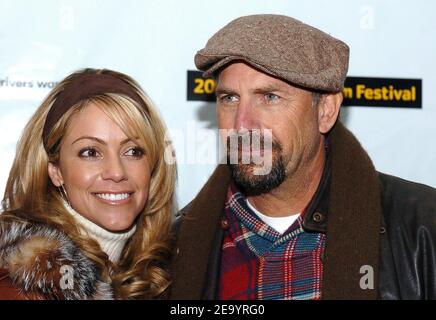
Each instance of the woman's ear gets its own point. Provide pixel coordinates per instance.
(55, 174)
(328, 111)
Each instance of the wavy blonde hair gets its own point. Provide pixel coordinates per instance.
(30, 196)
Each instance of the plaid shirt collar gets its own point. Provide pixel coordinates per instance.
(237, 204)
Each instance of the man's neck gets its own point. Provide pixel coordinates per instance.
(295, 193)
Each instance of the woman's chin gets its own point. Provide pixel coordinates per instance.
(116, 226)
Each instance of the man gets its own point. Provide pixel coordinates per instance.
(322, 223)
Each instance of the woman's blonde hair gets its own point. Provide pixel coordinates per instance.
(31, 196)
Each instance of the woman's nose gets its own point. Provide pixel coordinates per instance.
(114, 169)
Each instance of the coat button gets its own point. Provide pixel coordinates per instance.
(225, 224)
(318, 217)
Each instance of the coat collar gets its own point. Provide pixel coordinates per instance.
(353, 228)
(42, 262)
(195, 238)
(346, 206)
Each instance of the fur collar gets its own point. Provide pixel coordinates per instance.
(43, 260)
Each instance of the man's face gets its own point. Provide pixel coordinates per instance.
(250, 99)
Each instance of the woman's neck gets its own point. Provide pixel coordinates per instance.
(112, 243)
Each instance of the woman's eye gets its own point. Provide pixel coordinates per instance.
(135, 152)
(271, 97)
(88, 153)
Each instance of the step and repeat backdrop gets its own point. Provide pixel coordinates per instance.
(389, 100)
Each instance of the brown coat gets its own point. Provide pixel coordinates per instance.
(353, 229)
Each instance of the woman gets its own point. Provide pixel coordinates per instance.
(88, 203)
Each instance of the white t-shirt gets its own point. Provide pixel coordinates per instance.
(280, 224)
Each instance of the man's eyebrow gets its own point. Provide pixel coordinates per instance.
(261, 89)
(269, 88)
(224, 90)
(100, 140)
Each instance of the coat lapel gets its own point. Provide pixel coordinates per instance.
(353, 221)
(195, 238)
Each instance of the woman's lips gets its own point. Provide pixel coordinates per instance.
(113, 197)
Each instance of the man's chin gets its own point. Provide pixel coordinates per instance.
(248, 177)
(244, 169)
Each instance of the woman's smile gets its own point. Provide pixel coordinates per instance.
(113, 198)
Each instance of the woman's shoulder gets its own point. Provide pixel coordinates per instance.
(39, 258)
(10, 291)
(22, 247)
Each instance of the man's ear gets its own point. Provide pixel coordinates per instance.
(328, 111)
(55, 174)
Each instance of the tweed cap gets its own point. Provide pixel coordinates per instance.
(280, 46)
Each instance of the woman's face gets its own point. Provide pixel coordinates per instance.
(105, 174)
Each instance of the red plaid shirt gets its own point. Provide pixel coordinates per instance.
(259, 263)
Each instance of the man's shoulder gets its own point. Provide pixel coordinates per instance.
(407, 202)
(177, 222)
(407, 191)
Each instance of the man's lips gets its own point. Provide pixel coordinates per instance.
(250, 151)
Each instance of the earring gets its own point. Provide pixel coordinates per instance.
(63, 193)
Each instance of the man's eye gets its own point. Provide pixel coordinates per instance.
(228, 98)
(271, 97)
(88, 153)
(135, 152)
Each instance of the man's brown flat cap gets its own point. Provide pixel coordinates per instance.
(280, 46)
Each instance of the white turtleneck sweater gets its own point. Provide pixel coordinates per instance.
(112, 243)
(280, 224)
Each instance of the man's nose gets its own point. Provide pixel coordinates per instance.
(114, 169)
(245, 117)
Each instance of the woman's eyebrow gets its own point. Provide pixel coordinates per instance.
(102, 141)
(89, 138)
(128, 140)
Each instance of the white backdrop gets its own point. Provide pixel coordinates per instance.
(154, 42)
